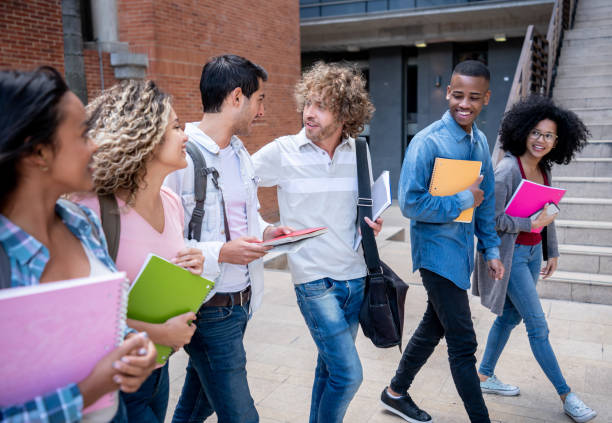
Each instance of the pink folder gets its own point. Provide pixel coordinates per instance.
(530, 197)
(54, 333)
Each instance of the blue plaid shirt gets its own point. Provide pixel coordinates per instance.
(28, 259)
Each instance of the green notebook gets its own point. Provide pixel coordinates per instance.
(163, 290)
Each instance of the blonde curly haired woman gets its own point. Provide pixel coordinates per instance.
(139, 143)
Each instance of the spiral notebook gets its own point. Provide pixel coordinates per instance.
(54, 333)
(162, 290)
(451, 176)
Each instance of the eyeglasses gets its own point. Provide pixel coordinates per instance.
(548, 136)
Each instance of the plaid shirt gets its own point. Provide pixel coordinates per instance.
(28, 259)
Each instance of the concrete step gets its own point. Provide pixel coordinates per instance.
(578, 258)
(588, 10)
(576, 286)
(580, 60)
(603, 46)
(600, 130)
(597, 148)
(584, 186)
(577, 208)
(581, 92)
(593, 4)
(566, 81)
(590, 42)
(594, 114)
(584, 232)
(598, 13)
(581, 70)
(596, 32)
(585, 166)
(582, 102)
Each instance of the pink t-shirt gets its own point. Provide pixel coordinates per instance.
(138, 238)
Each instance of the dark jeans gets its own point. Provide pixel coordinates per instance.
(447, 314)
(149, 403)
(216, 373)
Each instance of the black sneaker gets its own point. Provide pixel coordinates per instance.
(404, 407)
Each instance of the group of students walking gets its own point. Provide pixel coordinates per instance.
(128, 147)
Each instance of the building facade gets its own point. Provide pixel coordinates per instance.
(95, 43)
(407, 50)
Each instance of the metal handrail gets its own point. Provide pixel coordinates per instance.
(538, 60)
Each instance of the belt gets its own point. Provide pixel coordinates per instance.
(228, 299)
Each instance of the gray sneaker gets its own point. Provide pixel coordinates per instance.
(577, 410)
(495, 386)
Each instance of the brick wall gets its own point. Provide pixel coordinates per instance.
(31, 34)
(178, 36)
(181, 35)
(92, 71)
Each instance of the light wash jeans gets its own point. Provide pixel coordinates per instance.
(331, 311)
(522, 301)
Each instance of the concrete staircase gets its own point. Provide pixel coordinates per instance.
(584, 227)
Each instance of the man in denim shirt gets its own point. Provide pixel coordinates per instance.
(443, 250)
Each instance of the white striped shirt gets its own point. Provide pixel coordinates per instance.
(316, 190)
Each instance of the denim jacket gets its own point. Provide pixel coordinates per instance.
(212, 236)
(439, 244)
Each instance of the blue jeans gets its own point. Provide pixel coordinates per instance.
(216, 379)
(331, 311)
(149, 403)
(522, 302)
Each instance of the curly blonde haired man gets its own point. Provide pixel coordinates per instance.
(316, 174)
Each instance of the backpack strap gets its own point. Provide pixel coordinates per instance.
(200, 175)
(194, 229)
(111, 223)
(5, 269)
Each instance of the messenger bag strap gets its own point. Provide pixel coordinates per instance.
(364, 208)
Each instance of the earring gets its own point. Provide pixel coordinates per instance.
(44, 168)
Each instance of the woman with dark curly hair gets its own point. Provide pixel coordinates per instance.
(535, 133)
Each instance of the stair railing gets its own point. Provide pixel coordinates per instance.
(538, 60)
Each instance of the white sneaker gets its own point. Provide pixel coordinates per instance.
(576, 409)
(495, 386)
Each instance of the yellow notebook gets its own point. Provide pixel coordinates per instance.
(451, 176)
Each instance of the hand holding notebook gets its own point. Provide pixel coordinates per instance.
(163, 291)
(530, 197)
(451, 176)
(56, 333)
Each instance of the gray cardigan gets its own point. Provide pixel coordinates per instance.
(493, 293)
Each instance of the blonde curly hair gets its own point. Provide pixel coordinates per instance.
(341, 89)
(128, 122)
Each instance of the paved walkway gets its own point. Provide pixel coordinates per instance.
(281, 358)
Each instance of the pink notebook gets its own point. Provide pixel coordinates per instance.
(530, 197)
(53, 334)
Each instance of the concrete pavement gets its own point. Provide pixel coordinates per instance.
(281, 358)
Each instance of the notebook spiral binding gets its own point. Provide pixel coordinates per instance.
(123, 304)
(433, 180)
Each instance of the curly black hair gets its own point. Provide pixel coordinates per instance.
(526, 114)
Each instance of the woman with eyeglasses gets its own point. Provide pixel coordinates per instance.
(535, 133)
